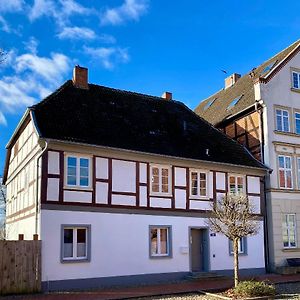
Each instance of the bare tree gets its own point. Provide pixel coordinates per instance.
(233, 217)
(2, 210)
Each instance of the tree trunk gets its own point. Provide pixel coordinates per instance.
(236, 261)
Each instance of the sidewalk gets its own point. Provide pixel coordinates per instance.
(154, 290)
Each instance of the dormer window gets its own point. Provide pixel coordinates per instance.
(233, 103)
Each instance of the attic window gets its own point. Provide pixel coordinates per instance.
(209, 103)
(269, 67)
(233, 102)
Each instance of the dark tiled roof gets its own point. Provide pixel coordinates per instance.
(244, 87)
(114, 118)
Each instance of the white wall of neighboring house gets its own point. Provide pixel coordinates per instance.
(277, 93)
(21, 185)
(120, 246)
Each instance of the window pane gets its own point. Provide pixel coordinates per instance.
(288, 162)
(281, 178)
(202, 184)
(84, 162)
(81, 242)
(72, 161)
(297, 121)
(163, 241)
(281, 161)
(71, 180)
(84, 172)
(165, 180)
(232, 184)
(153, 236)
(288, 179)
(155, 180)
(278, 119)
(84, 181)
(295, 80)
(68, 242)
(240, 184)
(194, 178)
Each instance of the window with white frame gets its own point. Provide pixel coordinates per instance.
(160, 241)
(236, 184)
(160, 179)
(75, 243)
(285, 171)
(282, 120)
(296, 80)
(242, 246)
(78, 171)
(289, 230)
(198, 184)
(297, 122)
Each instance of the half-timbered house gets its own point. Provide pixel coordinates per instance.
(118, 186)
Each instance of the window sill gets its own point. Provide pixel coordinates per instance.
(288, 133)
(78, 188)
(81, 260)
(291, 249)
(161, 195)
(240, 254)
(160, 256)
(200, 198)
(295, 90)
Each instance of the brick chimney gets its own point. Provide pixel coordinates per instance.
(167, 96)
(231, 80)
(80, 77)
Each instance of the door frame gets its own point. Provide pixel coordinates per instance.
(206, 263)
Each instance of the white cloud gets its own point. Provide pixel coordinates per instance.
(107, 38)
(109, 57)
(60, 10)
(80, 33)
(129, 10)
(34, 77)
(11, 5)
(2, 119)
(4, 25)
(31, 45)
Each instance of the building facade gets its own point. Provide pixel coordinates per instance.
(261, 111)
(119, 185)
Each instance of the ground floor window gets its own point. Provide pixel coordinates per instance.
(160, 241)
(75, 243)
(289, 230)
(242, 246)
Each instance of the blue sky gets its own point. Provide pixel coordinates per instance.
(138, 45)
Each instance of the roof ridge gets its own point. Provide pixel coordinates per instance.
(130, 92)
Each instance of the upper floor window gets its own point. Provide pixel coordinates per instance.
(297, 122)
(285, 171)
(236, 184)
(78, 171)
(160, 179)
(289, 230)
(296, 80)
(198, 184)
(282, 120)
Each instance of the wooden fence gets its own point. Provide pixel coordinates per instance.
(20, 267)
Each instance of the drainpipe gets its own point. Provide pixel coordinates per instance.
(37, 188)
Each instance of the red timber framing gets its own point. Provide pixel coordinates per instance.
(138, 185)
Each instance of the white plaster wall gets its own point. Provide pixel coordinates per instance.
(102, 192)
(123, 176)
(160, 202)
(220, 181)
(53, 189)
(180, 176)
(198, 204)
(76, 196)
(143, 196)
(143, 173)
(53, 162)
(120, 246)
(180, 199)
(123, 200)
(253, 184)
(25, 226)
(101, 168)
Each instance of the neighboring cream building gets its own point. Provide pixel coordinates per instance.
(119, 185)
(261, 110)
